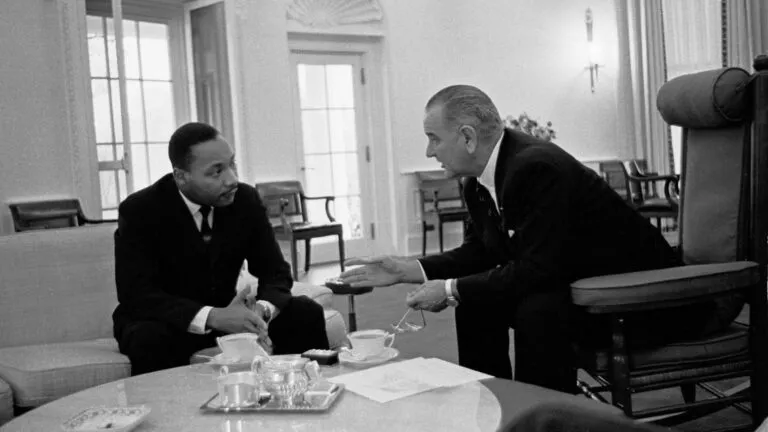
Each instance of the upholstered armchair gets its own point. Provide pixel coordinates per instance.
(723, 222)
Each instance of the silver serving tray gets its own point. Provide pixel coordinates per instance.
(313, 402)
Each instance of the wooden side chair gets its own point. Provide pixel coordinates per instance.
(442, 200)
(723, 232)
(45, 214)
(287, 205)
(638, 188)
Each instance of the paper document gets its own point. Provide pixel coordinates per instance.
(401, 379)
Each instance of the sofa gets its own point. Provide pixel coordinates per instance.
(57, 294)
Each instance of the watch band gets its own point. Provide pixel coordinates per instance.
(452, 301)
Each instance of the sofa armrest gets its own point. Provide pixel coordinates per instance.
(662, 288)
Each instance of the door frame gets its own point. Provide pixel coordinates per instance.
(380, 171)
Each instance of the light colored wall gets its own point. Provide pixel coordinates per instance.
(34, 151)
(528, 55)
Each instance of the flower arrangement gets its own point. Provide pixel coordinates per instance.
(527, 125)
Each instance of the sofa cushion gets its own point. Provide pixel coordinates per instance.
(57, 285)
(42, 373)
(6, 402)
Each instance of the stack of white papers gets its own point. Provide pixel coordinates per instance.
(401, 379)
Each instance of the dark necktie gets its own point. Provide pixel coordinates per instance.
(205, 227)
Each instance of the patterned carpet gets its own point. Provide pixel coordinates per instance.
(386, 305)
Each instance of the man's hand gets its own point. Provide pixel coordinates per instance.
(429, 296)
(237, 317)
(380, 271)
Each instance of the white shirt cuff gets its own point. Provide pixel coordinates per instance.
(197, 326)
(449, 283)
(423, 274)
(270, 307)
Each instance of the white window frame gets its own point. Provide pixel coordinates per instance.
(157, 12)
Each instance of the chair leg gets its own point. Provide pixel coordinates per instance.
(423, 238)
(689, 392)
(341, 251)
(440, 234)
(621, 393)
(294, 260)
(307, 251)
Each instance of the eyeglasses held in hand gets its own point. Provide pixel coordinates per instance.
(404, 326)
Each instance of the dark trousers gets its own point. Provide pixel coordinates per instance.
(543, 354)
(154, 345)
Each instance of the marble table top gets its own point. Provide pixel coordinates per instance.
(175, 397)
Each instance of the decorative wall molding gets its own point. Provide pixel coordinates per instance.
(76, 84)
(333, 13)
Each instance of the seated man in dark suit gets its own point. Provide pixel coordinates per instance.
(539, 220)
(179, 249)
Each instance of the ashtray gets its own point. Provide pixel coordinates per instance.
(114, 419)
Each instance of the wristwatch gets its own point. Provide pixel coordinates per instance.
(452, 301)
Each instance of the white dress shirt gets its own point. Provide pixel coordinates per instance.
(487, 180)
(197, 326)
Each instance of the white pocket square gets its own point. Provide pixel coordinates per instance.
(510, 233)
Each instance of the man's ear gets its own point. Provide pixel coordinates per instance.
(469, 138)
(180, 176)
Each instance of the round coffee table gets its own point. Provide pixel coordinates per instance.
(176, 395)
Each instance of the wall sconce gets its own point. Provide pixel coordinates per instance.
(593, 67)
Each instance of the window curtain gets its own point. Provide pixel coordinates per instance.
(693, 42)
(642, 71)
(746, 31)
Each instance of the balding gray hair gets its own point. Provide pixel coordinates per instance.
(467, 104)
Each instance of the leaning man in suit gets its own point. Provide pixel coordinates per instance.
(539, 220)
(179, 248)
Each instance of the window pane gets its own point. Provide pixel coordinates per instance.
(316, 212)
(111, 48)
(318, 175)
(155, 60)
(159, 165)
(348, 213)
(158, 101)
(116, 117)
(109, 214)
(135, 110)
(101, 122)
(105, 153)
(340, 86)
(345, 176)
(140, 166)
(97, 56)
(314, 127)
(131, 49)
(312, 86)
(108, 189)
(343, 137)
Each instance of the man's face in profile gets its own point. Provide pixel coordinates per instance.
(211, 177)
(444, 142)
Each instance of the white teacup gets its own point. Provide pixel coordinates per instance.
(241, 346)
(369, 343)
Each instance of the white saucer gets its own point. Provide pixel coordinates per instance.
(385, 356)
(219, 360)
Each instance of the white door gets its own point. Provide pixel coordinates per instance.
(334, 149)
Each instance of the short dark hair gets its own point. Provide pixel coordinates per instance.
(466, 103)
(184, 138)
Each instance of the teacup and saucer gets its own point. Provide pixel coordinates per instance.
(369, 347)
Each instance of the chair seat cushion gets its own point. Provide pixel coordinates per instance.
(309, 228)
(41, 373)
(6, 402)
(731, 343)
(657, 204)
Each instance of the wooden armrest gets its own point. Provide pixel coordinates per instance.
(662, 288)
(328, 199)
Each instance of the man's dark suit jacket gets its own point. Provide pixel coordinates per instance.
(163, 270)
(558, 222)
